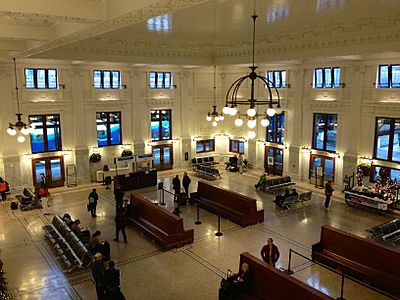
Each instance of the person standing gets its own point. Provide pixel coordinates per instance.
(120, 222)
(112, 283)
(176, 186)
(3, 189)
(270, 253)
(240, 163)
(186, 182)
(93, 198)
(328, 194)
(98, 270)
(119, 196)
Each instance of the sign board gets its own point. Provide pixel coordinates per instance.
(270, 160)
(320, 171)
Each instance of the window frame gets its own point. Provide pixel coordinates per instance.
(333, 83)
(238, 142)
(111, 80)
(203, 142)
(108, 125)
(164, 84)
(160, 126)
(388, 171)
(326, 115)
(274, 73)
(275, 130)
(35, 79)
(390, 79)
(391, 139)
(45, 137)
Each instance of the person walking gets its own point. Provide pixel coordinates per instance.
(93, 198)
(120, 222)
(186, 182)
(270, 253)
(112, 283)
(119, 197)
(98, 270)
(328, 194)
(3, 189)
(176, 186)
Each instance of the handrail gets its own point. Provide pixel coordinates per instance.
(344, 275)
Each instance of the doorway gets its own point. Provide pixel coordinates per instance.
(273, 163)
(322, 169)
(52, 167)
(163, 158)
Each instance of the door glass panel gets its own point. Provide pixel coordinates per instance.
(279, 157)
(167, 155)
(328, 169)
(316, 162)
(157, 156)
(40, 167)
(55, 165)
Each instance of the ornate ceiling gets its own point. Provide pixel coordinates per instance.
(195, 32)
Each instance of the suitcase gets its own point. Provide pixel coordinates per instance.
(14, 205)
(182, 199)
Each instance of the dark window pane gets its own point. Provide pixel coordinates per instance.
(115, 80)
(280, 128)
(41, 78)
(395, 76)
(336, 77)
(318, 78)
(383, 134)
(328, 77)
(29, 78)
(52, 78)
(152, 80)
(384, 76)
(106, 79)
(271, 129)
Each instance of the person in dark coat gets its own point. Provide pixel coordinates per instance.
(93, 198)
(120, 222)
(176, 186)
(112, 283)
(97, 245)
(186, 182)
(328, 194)
(270, 253)
(119, 196)
(98, 270)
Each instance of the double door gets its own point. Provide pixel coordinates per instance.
(322, 169)
(51, 167)
(273, 163)
(163, 158)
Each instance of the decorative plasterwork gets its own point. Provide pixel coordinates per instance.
(39, 20)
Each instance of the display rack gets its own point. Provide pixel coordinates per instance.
(71, 176)
(355, 199)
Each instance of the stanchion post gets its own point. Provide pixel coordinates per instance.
(219, 233)
(341, 290)
(198, 222)
(162, 197)
(289, 271)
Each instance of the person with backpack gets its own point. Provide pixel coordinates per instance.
(93, 198)
(120, 222)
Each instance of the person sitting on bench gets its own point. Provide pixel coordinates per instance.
(280, 199)
(97, 245)
(83, 234)
(261, 182)
(237, 284)
(232, 163)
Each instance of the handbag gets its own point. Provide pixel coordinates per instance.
(44, 192)
(89, 207)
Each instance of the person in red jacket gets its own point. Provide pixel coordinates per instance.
(3, 189)
(270, 253)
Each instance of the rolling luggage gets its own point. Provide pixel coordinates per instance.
(182, 198)
(14, 205)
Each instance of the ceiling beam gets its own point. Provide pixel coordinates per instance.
(71, 9)
(23, 32)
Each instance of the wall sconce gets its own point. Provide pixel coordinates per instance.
(61, 86)
(337, 154)
(196, 138)
(222, 134)
(288, 85)
(242, 139)
(125, 146)
(96, 149)
(342, 85)
(368, 159)
(66, 151)
(306, 149)
(124, 86)
(28, 155)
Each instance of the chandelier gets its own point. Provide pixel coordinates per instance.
(21, 126)
(214, 116)
(233, 100)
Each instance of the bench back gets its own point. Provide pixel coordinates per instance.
(267, 282)
(360, 250)
(227, 198)
(159, 217)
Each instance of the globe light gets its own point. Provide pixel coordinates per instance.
(251, 124)
(270, 111)
(238, 122)
(278, 110)
(221, 117)
(208, 118)
(21, 139)
(217, 118)
(11, 131)
(264, 122)
(251, 112)
(214, 123)
(232, 111)
(251, 134)
(226, 110)
(25, 131)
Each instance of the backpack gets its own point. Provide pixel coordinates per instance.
(91, 200)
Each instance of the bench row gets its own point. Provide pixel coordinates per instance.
(207, 172)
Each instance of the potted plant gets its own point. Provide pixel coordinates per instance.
(95, 157)
(366, 169)
(126, 152)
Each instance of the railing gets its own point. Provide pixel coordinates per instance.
(343, 275)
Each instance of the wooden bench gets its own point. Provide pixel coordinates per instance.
(360, 258)
(163, 226)
(267, 282)
(236, 207)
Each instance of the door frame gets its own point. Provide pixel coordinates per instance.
(266, 159)
(48, 158)
(324, 157)
(161, 167)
